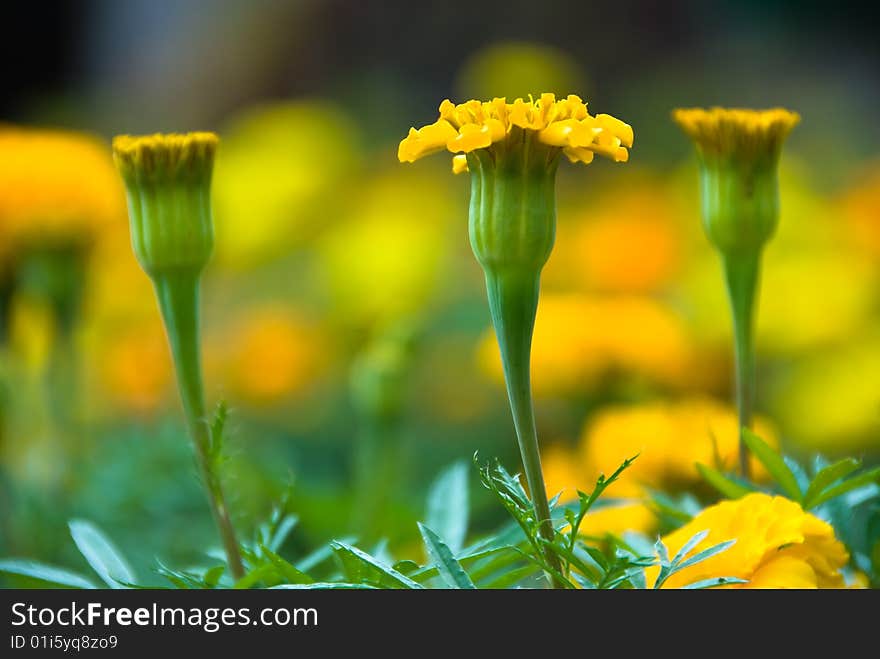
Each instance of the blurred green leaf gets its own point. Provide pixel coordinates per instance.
(870, 477)
(325, 585)
(285, 569)
(774, 464)
(728, 487)
(101, 554)
(447, 507)
(57, 577)
(451, 571)
(827, 477)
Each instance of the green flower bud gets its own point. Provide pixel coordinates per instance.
(168, 183)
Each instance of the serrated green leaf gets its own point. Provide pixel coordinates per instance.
(713, 583)
(870, 477)
(451, 571)
(101, 554)
(827, 477)
(447, 506)
(49, 574)
(360, 566)
(320, 555)
(213, 575)
(774, 464)
(729, 488)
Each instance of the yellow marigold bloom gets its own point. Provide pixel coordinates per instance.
(669, 439)
(55, 187)
(564, 124)
(778, 545)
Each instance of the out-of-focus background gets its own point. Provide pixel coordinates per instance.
(344, 316)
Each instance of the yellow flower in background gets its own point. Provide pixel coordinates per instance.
(277, 178)
(778, 545)
(669, 439)
(271, 354)
(56, 187)
(514, 69)
(580, 338)
(861, 209)
(565, 473)
(563, 124)
(830, 400)
(386, 259)
(629, 244)
(134, 367)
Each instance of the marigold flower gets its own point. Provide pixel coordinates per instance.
(563, 124)
(513, 151)
(778, 545)
(738, 152)
(56, 187)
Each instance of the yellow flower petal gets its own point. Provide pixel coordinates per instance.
(469, 138)
(425, 141)
(459, 164)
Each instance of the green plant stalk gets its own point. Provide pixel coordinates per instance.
(512, 229)
(178, 295)
(742, 274)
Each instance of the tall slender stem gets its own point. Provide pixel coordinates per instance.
(742, 272)
(178, 295)
(513, 303)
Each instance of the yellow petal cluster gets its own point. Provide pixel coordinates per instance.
(55, 187)
(736, 131)
(778, 545)
(564, 123)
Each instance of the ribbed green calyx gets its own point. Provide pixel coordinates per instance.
(168, 184)
(512, 229)
(740, 201)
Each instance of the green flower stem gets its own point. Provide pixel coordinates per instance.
(178, 295)
(513, 303)
(742, 273)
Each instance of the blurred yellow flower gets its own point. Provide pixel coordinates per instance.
(565, 474)
(861, 208)
(736, 132)
(579, 338)
(629, 245)
(515, 69)
(564, 124)
(386, 259)
(135, 367)
(830, 400)
(271, 354)
(669, 439)
(56, 187)
(277, 178)
(778, 545)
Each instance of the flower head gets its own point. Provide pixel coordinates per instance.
(168, 179)
(56, 187)
(735, 132)
(778, 545)
(564, 125)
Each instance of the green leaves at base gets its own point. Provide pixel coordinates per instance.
(49, 575)
(682, 561)
(450, 570)
(447, 507)
(101, 554)
(360, 567)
